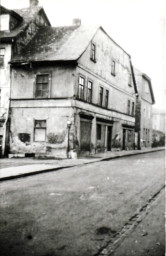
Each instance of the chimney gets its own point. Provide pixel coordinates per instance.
(76, 22)
(33, 3)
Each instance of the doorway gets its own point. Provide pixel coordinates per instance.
(124, 139)
(85, 135)
(109, 138)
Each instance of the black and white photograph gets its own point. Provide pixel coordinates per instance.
(82, 127)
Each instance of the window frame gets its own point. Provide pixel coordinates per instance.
(2, 57)
(129, 107)
(49, 85)
(81, 86)
(106, 98)
(89, 99)
(130, 80)
(40, 128)
(99, 131)
(133, 108)
(93, 52)
(113, 67)
(101, 89)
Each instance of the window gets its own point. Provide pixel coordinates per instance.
(130, 82)
(106, 98)
(40, 130)
(42, 86)
(81, 87)
(24, 137)
(4, 22)
(2, 55)
(89, 93)
(133, 109)
(128, 107)
(93, 52)
(113, 68)
(98, 131)
(0, 98)
(101, 96)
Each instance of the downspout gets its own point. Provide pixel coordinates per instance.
(4, 128)
(137, 103)
(7, 117)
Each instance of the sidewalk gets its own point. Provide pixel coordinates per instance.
(34, 166)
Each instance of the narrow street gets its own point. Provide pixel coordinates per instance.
(106, 208)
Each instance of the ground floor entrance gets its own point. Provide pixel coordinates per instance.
(109, 138)
(128, 138)
(85, 134)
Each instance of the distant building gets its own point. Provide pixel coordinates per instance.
(145, 100)
(72, 90)
(158, 120)
(17, 28)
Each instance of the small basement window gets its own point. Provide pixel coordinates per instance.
(24, 137)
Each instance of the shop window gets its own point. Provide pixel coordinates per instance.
(89, 92)
(40, 130)
(42, 86)
(106, 98)
(81, 87)
(93, 52)
(98, 131)
(100, 96)
(113, 71)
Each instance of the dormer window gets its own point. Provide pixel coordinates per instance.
(4, 22)
(93, 52)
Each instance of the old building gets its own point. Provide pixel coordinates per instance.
(17, 28)
(145, 100)
(72, 90)
(158, 125)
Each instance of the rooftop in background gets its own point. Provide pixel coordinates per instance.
(24, 16)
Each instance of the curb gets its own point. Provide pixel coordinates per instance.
(22, 175)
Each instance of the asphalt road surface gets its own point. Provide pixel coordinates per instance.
(106, 208)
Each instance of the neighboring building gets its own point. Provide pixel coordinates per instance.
(145, 100)
(72, 89)
(158, 120)
(158, 126)
(17, 28)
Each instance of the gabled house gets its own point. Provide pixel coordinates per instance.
(73, 89)
(145, 101)
(17, 28)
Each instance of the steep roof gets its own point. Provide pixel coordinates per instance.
(55, 44)
(138, 74)
(26, 15)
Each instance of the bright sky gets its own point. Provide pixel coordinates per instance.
(139, 26)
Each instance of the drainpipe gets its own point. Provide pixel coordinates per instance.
(68, 133)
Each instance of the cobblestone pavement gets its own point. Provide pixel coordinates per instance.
(81, 211)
